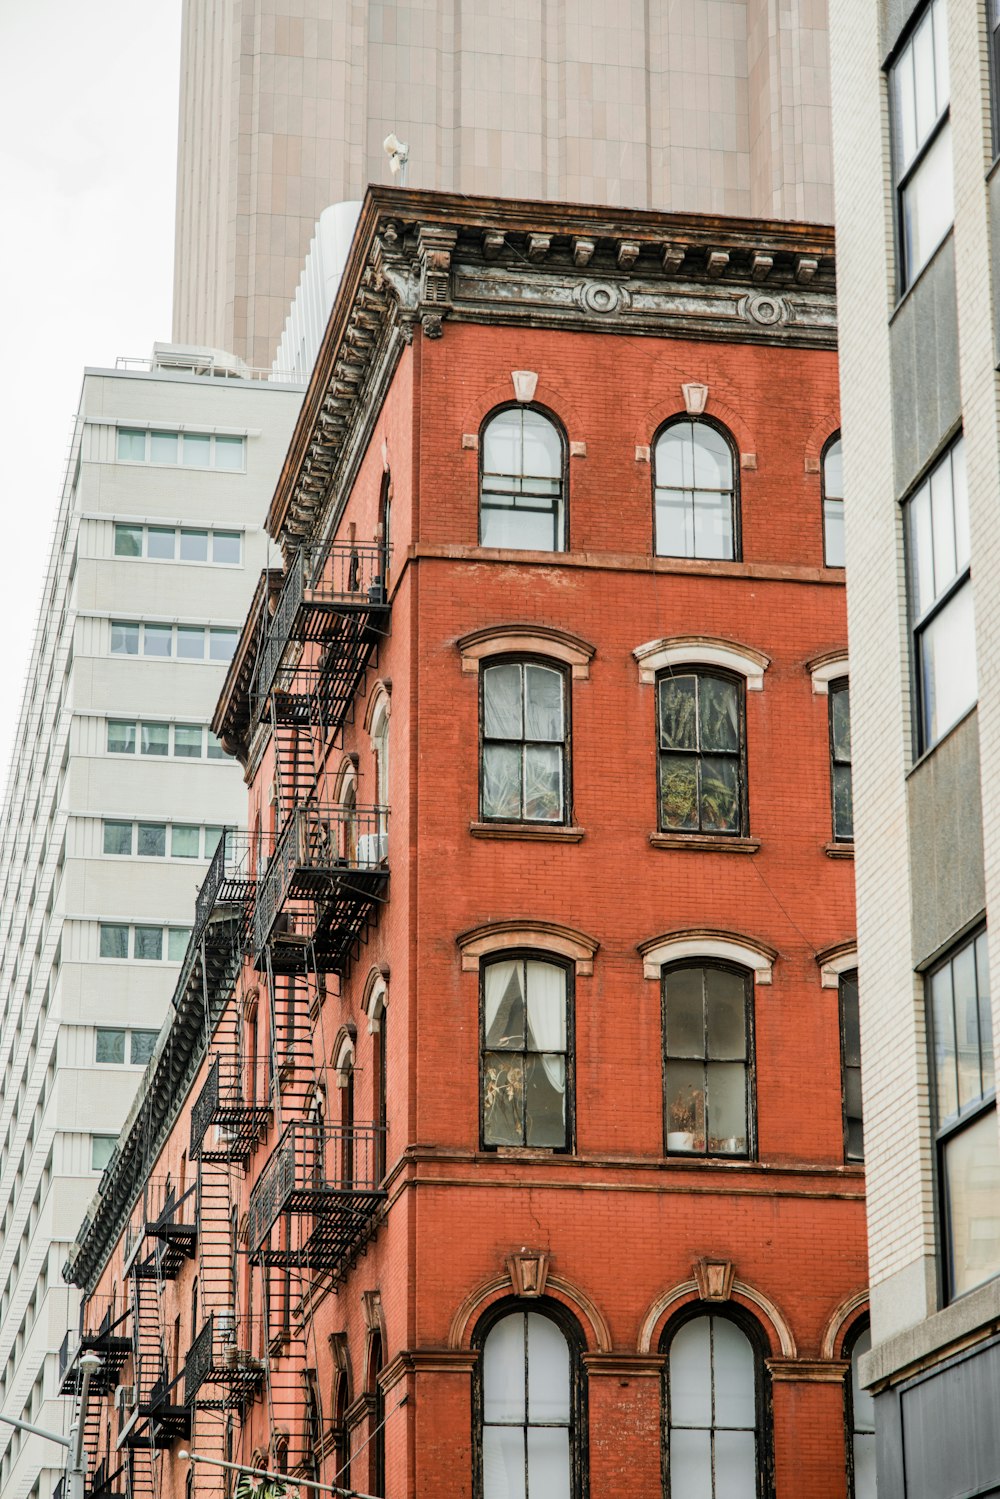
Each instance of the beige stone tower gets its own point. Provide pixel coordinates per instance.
(719, 106)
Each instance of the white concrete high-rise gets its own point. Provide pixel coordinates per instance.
(114, 804)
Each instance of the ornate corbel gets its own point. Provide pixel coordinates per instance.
(434, 249)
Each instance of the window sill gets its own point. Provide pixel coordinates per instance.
(705, 843)
(839, 850)
(539, 832)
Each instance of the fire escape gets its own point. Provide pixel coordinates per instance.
(104, 1333)
(313, 1207)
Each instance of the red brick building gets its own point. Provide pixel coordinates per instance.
(505, 1138)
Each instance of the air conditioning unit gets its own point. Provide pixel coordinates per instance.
(125, 1397)
(373, 848)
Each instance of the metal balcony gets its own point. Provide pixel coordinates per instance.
(227, 883)
(161, 1235)
(336, 600)
(324, 1178)
(225, 1363)
(234, 1106)
(104, 1335)
(321, 889)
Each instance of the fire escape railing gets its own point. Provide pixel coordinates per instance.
(225, 1364)
(174, 1233)
(234, 1101)
(323, 1178)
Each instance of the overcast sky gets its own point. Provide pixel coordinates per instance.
(88, 148)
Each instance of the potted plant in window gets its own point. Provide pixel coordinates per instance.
(683, 1116)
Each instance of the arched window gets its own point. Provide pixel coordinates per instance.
(385, 528)
(701, 740)
(841, 791)
(528, 1418)
(377, 1436)
(380, 750)
(713, 1412)
(708, 1059)
(522, 504)
(525, 736)
(695, 496)
(860, 1425)
(341, 1435)
(526, 1052)
(833, 503)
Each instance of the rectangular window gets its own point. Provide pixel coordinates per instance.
(222, 644)
(113, 940)
(701, 754)
(215, 750)
(124, 638)
(968, 1157)
(525, 1054)
(161, 543)
(177, 941)
(229, 453)
(121, 737)
(131, 446)
(197, 449)
(110, 1049)
(187, 741)
(163, 447)
(157, 640)
(102, 1148)
(940, 590)
(850, 1054)
(152, 842)
(707, 1060)
(182, 642)
(117, 837)
(840, 762)
(212, 836)
(227, 547)
(833, 505)
(190, 449)
(184, 841)
(128, 541)
(922, 158)
(155, 738)
(194, 546)
(149, 942)
(141, 1044)
(190, 643)
(524, 743)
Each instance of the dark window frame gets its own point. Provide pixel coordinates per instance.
(736, 511)
(695, 669)
(919, 624)
(579, 1444)
(901, 178)
(826, 499)
(849, 976)
(563, 499)
(750, 1064)
(944, 1131)
(760, 1348)
(563, 671)
(840, 685)
(848, 1344)
(555, 960)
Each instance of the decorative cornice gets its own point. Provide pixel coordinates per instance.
(422, 259)
(707, 942)
(495, 640)
(548, 936)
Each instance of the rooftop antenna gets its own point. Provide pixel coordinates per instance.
(398, 153)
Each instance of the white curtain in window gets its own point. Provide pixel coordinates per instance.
(547, 1018)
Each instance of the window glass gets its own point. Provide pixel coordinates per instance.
(862, 1426)
(194, 546)
(128, 541)
(141, 1047)
(163, 447)
(131, 445)
(694, 484)
(833, 505)
(190, 643)
(197, 449)
(157, 640)
(155, 738)
(840, 762)
(184, 841)
(521, 496)
(524, 742)
(110, 1047)
(229, 453)
(117, 837)
(124, 638)
(212, 836)
(226, 546)
(712, 1401)
(527, 1410)
(922, 139)
(113, 940)
(161, 542)
(152, 840)
(121, 737)
(707, 1060)
(149, 942)
(850, 1050)
(177, 941)
(102, 1148)
(940, 594)
(187, 741)
(524, 1053)
(222, 644)
(215, 750)
(701, 754)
